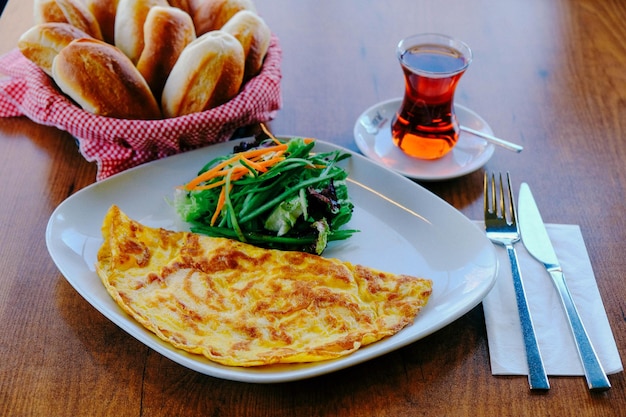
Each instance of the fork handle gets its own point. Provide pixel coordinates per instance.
(537, 377)
(596, 377)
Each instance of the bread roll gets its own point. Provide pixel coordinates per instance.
(167, 31)
(213, 14)
(78, 15)
(43, 42)
(129, 20)
(45, 11)
(183, 5)
(103, 81)
(207, 74)
(254, 35)
(193, 6)
(104, 12)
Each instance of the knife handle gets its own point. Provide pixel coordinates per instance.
(537, 376)
(596, 377)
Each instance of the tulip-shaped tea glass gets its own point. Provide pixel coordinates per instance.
(426, 126)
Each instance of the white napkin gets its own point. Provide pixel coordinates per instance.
(556, 343)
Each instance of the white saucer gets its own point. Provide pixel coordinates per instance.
(372, 133)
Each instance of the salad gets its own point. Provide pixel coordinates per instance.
(270, 193)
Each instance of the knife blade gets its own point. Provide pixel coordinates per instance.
(537, 242)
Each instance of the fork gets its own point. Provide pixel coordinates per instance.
(501, 228)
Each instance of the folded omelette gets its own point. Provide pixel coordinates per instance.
(241, 305)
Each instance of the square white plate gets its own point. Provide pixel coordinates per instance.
(403, 229)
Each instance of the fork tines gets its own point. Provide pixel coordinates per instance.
(495, 194)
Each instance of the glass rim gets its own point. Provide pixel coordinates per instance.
(435, 39)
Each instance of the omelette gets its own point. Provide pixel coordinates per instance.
(241, 305)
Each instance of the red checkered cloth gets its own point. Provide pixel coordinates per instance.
(118, 144)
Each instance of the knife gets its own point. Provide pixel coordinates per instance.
(537, 242)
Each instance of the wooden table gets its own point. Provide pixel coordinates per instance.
(547, 74)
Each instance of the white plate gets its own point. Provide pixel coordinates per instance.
(404, 229)
(372, 133)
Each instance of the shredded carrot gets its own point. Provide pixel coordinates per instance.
(248, 155)
(237, 174)
(209, 186)
(220, 205)
(207, 175)
(254, 165)
(268, 133)
(271, 136)
(262, 151)
(238, 171)
(261, 159)
(271, 162)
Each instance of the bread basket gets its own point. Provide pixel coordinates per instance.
(118, 144)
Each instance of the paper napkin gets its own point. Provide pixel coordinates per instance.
(556, 343)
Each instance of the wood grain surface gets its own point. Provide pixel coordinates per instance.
(549, 75)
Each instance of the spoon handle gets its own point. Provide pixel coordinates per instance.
(497, 141)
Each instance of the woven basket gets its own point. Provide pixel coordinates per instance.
(118, 144)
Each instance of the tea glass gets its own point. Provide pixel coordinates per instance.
(425, 126)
